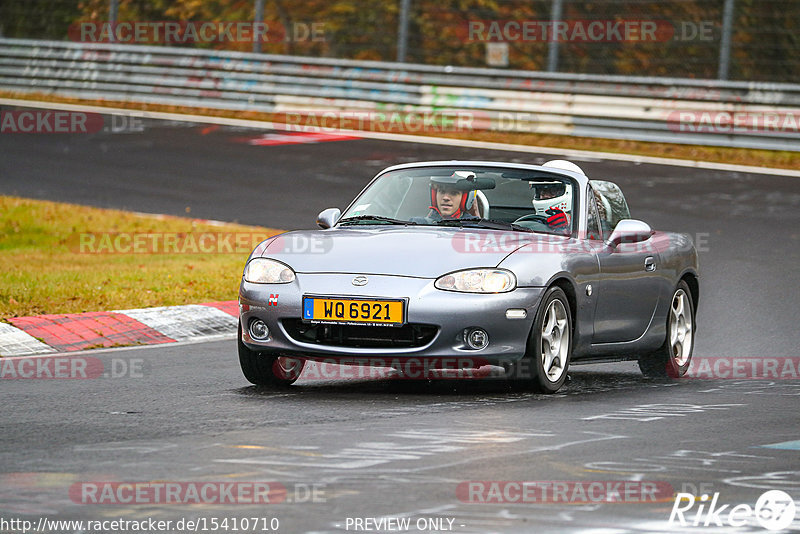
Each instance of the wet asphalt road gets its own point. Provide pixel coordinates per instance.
(390, 448)
(380, 447)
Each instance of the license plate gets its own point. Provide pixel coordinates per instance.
(364, 312)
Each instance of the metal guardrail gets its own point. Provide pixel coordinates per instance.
(640, 108)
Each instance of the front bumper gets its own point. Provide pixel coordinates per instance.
(280, 306)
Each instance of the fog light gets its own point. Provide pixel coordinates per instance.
(476, 338)
(259, 329)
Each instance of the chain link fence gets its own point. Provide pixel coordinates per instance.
(745, 40)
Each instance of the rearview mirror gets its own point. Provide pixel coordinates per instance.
(464, 181)
(469, 184)
(629, 231)
(328, 217)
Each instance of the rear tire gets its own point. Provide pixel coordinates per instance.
(673, 358)
(550, 343)
(266, 370)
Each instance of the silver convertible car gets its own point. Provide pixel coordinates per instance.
(468, 264)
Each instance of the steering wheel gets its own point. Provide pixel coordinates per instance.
(532, 217)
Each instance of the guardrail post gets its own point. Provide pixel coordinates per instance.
(402, 30)
(552, 48)
(258, 16)
(725, 42)
(113, 11)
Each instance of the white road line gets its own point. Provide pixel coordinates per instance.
(483, 145)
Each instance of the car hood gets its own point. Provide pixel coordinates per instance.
(402, 251)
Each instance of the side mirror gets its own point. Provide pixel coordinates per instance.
(328, 217)
(629, 231)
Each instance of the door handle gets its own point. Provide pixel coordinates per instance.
(649, 264)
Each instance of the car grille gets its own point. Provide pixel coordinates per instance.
(406, 336)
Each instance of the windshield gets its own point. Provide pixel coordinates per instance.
(530, 200)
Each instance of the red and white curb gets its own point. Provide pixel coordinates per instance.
(71, 332)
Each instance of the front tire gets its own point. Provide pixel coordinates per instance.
(673, 358)
(550, 342)
(266, 370)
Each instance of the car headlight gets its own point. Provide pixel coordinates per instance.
(478, 281)
(264, 271)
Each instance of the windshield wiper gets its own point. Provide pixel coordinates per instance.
(483, 223)
(373, 218)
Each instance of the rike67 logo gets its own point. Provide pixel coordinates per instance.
(774, 510)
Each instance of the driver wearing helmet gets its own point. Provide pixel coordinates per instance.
(557, 202)
(449, 198)
(552, 199)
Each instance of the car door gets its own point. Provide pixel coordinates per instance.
(629, 288)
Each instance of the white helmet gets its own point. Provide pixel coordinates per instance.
(564, 165)
(554, 193)
(551, 194)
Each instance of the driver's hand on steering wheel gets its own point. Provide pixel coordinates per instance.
(557, 218)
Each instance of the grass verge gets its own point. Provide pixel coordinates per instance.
(741, 156)
(64, 258)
